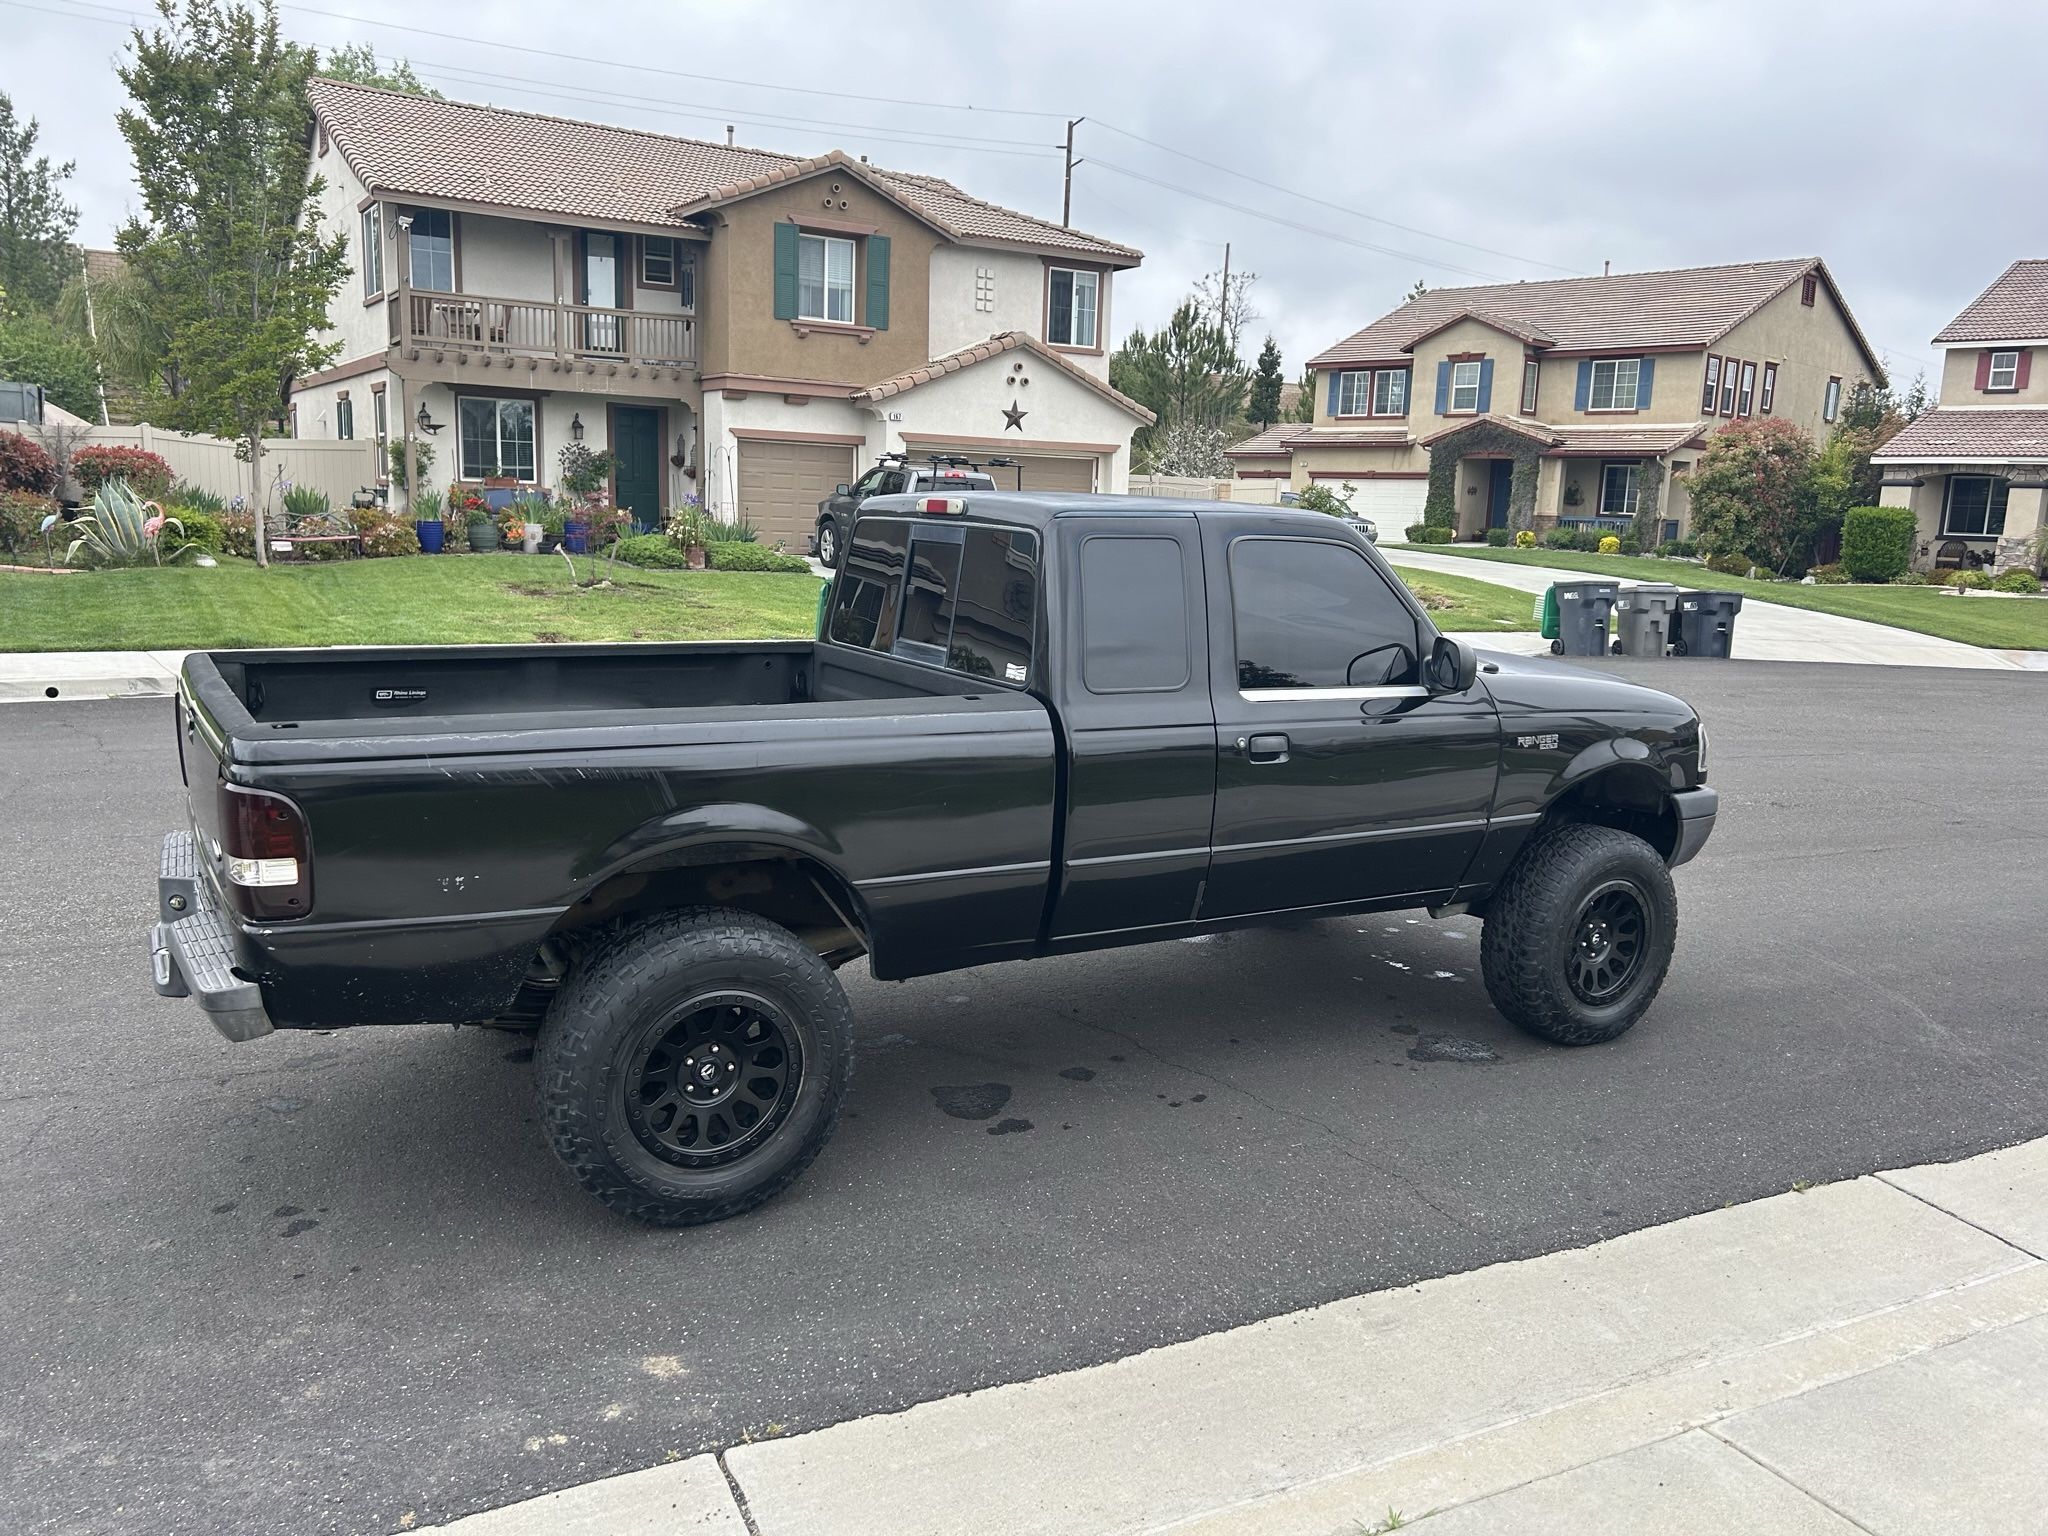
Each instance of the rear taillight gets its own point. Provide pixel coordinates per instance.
(266, 857)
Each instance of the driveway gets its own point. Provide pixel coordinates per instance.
(1763, 631)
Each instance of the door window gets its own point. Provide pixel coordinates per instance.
(1310, 614)
(1134, 615)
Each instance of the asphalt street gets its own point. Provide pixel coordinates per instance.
(337, 1282)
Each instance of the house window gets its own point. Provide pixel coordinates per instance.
(1390, 392)
(1748, 396)
(497, 437)
(824, 278)
(1975, 507)
(1831, 402)
(373, 252)
(345, 418)
(1728, 370)
(1770, 389)
(2004, 372)
(1531, 375)
(657, 262)
(1712, 393)
(1071, 307)
(1614, 384)
(1354, 393)
(432, 248)
(1465, 386)
(1618, 488)
(379, 417)
(1807, 287)
(984, 290)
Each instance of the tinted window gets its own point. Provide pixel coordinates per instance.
(998, 605)
(1134, 615)
(864, 607)
(969, 604)
(1315, 615)
(932, 595)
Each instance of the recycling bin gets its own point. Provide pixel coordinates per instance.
(1582, 610)
(1706, 624)
(1643, 619)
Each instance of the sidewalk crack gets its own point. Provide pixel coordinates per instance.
(1883, 1177)
(1805, 1493)
(739, 1495)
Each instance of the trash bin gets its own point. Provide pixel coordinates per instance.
(1582, 609)
(1643, 619)
(1546, 613)
(1706, 624)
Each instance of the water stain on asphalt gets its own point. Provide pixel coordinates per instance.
(288, 1210)
(522, 1053)
(1009, 1127)
(1451, 1048)
(303, 1224)
(277, 1104)
(972, 1101)
(1077, 1074)
(223, 1208)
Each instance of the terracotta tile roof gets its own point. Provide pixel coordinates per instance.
(2015, 308)
(996, 346)
(1521, 330)
(2000, 432)
(1351, 437)
(1623, 441)
(463, 152)
(1271, 443)
(105, 266)
(1688, 307)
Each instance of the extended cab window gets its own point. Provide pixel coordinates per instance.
(1310, 614)
(960, 597)
(1134, 615)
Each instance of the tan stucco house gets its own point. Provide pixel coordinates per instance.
(750, 327)
(1584, 401)
(1975, 469)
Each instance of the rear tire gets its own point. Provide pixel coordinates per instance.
(1579, 934)
(693, 1067)
(829, 552)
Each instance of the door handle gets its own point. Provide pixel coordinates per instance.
(1269, 748)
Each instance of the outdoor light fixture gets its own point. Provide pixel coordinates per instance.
(425, 422)
(576, 426)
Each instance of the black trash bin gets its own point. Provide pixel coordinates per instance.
(1706, 624)
(1643, 619)
(1582, 609)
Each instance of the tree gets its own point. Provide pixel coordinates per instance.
(358, 63)
(36, 224)
(1753, 493)
(34, 351)
(1305, 397)
(1194, 449)
(221, 135)
(1227, 307)
(1264, 405)
(1872, 415)
(1184, 372)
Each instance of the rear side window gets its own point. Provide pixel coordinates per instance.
(960, 597)
(1134, 615)
(1310, 614)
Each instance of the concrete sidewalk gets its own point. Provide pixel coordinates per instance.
(1870, 1356)
(1764, 631)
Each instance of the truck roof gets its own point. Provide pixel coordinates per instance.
(1037, 509)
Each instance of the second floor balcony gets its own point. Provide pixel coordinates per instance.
(569, 334)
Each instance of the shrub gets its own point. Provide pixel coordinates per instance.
(1631, 546)
(1968, 580)
(1912, 579)
(238, 533)
(1589, 540)
(716, 531)
(384, 533)
(1525, 540)
(203, 530)
(2017, 581)
(147, 474)
(1611, 545)
(1730, 565)
(122, 529)
(1317, 497)
(1414, 531)
(195, 497)
(306, 502)
(1828, 575)
(652, 549)
(1426, 534)
(25, 465)
(21, 518)
(1560, 538)
(737, 556)
(1678, 549)
(1497, 538)
(1877, 542)
(422, 453)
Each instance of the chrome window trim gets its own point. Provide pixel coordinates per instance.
(1382, 691)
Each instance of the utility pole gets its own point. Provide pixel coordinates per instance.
(1223, 305)
(1067, 188)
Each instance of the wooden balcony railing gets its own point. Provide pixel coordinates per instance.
(527, 328)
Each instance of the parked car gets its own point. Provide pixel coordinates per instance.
(895, 475)
(1363, 526)
(1034, 725)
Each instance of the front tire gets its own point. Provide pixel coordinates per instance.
(1579, 934)
(694, 1066)
(828, 545)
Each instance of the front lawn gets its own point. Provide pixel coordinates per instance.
(1460, 603)
(2000, 623)
(420, 600)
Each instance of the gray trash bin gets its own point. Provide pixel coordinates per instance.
(1706, 624)
(1582, 609)
(1643, 619)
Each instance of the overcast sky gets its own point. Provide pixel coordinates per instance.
(1903, 142)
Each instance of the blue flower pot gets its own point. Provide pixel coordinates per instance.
(431, 535)
(576, 538)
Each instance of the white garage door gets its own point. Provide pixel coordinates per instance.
(781, 485)
(1391, 504)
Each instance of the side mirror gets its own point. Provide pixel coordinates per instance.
(1453, 665)
(840, 491)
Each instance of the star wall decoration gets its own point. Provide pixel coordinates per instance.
(1013, 416)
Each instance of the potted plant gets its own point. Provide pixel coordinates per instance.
(426, 521)
(483, 532)
(586, 474)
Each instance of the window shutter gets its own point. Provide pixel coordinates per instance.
(2026, 367)
(1983, 370)
(1443, 388)
(785, 271)
(1485, 385)
(878, 282)
(1584, 394)
(1646, 375)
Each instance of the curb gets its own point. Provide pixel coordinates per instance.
(39, 677)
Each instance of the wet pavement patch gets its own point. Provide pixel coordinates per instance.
(1404, 1029)
(1009, 1127)
(1077, 1074)
(1451, 1048)
(303, 1224)
(972, 1101)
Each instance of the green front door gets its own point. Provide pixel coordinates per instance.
(636, 446)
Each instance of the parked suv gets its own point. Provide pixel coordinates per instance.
(893, 476)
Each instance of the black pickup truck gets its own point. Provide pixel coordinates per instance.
(1034, 724)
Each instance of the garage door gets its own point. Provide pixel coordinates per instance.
(1041, 472)
(781, 485)
(1389, 503)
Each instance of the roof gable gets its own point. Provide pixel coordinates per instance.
(996, 345)
(2013, 308)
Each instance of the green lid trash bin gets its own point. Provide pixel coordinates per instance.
(1582, 610)
(1546, 610)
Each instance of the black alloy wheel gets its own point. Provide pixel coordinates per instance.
(1612, 937)
(712, 1079)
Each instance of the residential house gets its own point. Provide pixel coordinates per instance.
(1584, 401)
(753, 328)
(1975, 469)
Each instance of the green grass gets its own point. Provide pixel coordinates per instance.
(2000, 623)
(1462, 603)
(422, 600)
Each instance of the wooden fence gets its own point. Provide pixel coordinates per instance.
(338, 470)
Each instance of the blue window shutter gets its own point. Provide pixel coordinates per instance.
(1646, 375)
(1485, 384)
(785, 271)
(1334, 377)
(1585, 390)
(1443, 388)
(878, 282)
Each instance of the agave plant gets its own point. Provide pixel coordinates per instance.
(122, 529)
